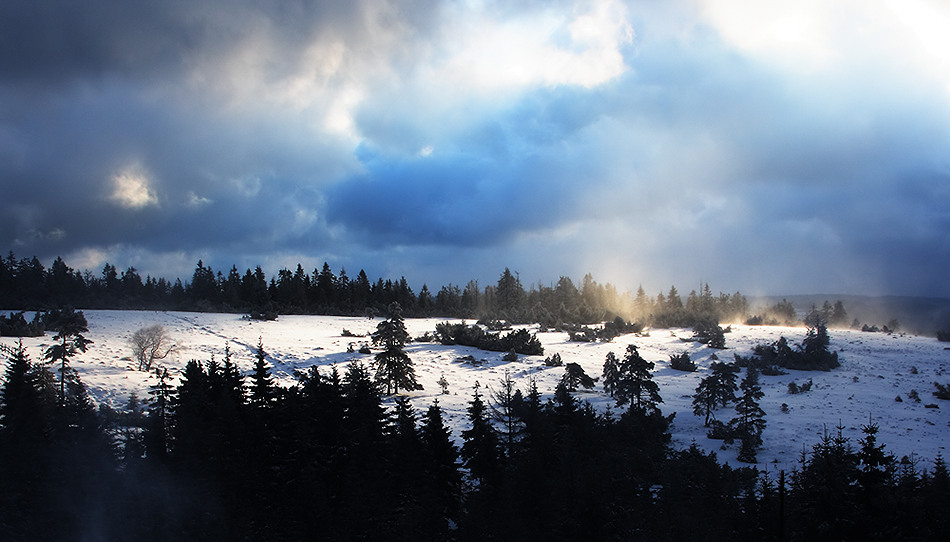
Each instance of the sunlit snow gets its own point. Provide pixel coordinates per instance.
(875, 369)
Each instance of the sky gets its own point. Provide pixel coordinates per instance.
(771, 147)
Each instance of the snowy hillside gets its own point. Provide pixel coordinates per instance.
(875, 369)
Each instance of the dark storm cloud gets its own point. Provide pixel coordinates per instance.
(660, 143)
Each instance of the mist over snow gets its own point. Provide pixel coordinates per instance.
(876, 368)
(775, 149)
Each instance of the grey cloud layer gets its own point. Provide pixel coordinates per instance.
(319, 130)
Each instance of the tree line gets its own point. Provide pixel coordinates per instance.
(25, 284)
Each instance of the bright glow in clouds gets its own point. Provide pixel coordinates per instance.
(131, 189)
(546, 48)
(817, 36)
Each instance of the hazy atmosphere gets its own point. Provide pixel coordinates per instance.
(772, 147)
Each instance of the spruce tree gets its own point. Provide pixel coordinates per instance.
(21, 406)
(364, 416)
(815, 352)
(158, 423)
(262, 384)
(704, 400)
(575, 376)
(636, 385)
(442, 463)
(750, 420)
(725, 376)
(437, 439)
(480, 449)
(505, 405)
(393, 366)
(611, 373)
(68, 341)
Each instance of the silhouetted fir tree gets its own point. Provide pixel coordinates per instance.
(263, 389)
(22, 419)
(203, 289)
(480, 448)
(704, 400)
(441, 460)
(823, 504)
(436, 438)
(25, 448)
(505, 406)
(324, 407)
(635, 384)
(750, 418)
(67, 343)
(393, 365)
(876, 467)
(404, 430)
(611, 374)
(694, 501)
(362, 484)
(509, 295)
(575, 376)
(364, 417)
(158, 422)
(815, 353)
(716, 390)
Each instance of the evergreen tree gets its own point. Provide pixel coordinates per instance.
(815, 353)
(750, 420)
(505, 406)
(876, 467)
(437, 438)
(480, 447)
(158, 422)
(21, 406)
(704, 400)
(393, 366)
(611, 373)
(26, 413)
(636, 385)
(575, 376)
(509, 294)
(364, 416)
(839, 316)
(263, 391)
(68, 341)
(442, 461)
(725, 376)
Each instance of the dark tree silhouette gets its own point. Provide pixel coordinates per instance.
(750, 418)
(635, 384)
(393, 366)
(480, 449)
(68, 342)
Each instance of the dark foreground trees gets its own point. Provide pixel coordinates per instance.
(231, 457)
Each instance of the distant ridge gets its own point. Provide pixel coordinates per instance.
(919, 315)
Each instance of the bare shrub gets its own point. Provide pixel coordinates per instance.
(150, 344)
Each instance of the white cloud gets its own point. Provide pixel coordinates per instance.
(132, 190)
(550, 48)
(816, 37)
(195, 201)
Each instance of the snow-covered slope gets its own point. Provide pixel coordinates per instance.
(875, 369)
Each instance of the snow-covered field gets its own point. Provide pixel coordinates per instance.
(875, 369)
